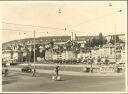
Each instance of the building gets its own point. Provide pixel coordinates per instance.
(6, 56)
(65, 55)
(82, 55)
(57, 56)
(68, 55)
(14, 56)
(83, 38)
(121, 36)
(49, 54)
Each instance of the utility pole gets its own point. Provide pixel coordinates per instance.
(34, 49)
(19, 37)
(72, 36)
(75, 36)
(91, 59)
(115, 43)
(116, 67)
(34, 72)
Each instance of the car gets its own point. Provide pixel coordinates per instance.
(3, 72)
(26, 69)
(3, 64)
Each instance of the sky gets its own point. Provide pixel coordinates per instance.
(83, 18)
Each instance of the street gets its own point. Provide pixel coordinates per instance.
(24, 82)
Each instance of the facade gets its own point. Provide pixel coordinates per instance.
(49, 55)
(83, 38)
(57, 56)
(6, 56)
(69, 55)
(18, 56)
(15, 56)
(82, 55)
(65, 55)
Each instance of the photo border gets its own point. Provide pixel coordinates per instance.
(60, 1)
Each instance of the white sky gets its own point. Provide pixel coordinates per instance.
(89, 18)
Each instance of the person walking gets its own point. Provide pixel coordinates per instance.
(34, 73)
(57, 70)
(6, 72)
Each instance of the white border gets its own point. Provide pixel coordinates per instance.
(60, 2)
(126, 50)
(0, 50)
(71, 92)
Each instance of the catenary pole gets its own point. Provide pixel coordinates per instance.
(34, 51)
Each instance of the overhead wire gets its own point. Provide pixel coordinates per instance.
(91, 20)
(58, 29)
(15, 30)
(96, 18)
(32, 25)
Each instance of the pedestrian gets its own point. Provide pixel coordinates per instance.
(34, 73)
(6, 72)
(57, 70)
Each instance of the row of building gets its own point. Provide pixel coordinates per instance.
(107, 50)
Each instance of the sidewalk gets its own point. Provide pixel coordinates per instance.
(62, 65)
(71, 72)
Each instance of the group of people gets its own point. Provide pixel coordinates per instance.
(34, 74)
(56, 69)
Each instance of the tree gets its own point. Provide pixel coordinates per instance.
(115, 39)
(76, 47)
(58, 49)
(37, 51)
(28, 56)
(106, 61)
(43, 54)
(97, 40)
(19, 47)
(68, 45)
(94, 42)
(51, 44)
(32, 56)
(88, 43)
(102, 40)
(98, 60)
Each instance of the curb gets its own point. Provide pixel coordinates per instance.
(72, 73)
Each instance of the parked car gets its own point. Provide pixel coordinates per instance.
(26, 69)
(3, 64)
(3, 72)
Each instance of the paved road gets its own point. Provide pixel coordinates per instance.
(71, 72)
(22, 82)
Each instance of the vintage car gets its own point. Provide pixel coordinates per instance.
(26, 69)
